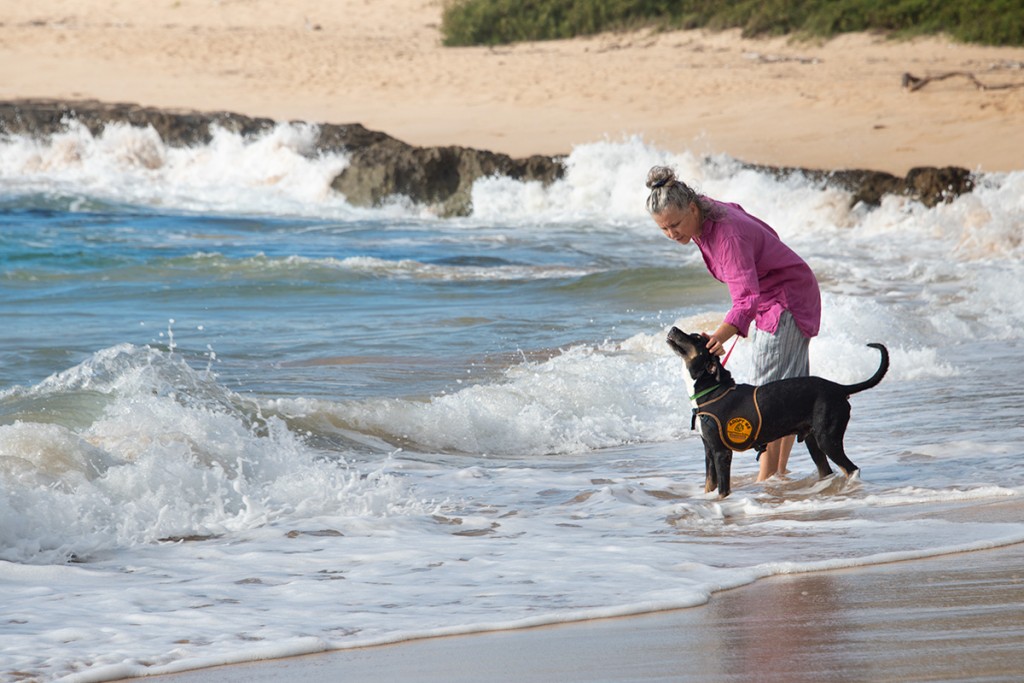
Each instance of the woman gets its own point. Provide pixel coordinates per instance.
(769, 284)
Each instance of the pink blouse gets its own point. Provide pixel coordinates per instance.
(764, 276)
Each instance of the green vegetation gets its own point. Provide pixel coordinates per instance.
(495, 22)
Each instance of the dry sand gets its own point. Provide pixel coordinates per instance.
(380, 63)
(838, 104)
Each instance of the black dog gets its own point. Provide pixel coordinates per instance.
(740, 416)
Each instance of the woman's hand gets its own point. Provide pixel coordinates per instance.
(716, 341)
(715, 346)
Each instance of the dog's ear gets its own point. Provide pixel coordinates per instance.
(714, 368)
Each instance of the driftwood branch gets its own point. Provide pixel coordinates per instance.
(912, 82)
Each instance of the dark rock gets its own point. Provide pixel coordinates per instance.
(441, 177)
(42, 118)
(931, 185)
(865, 186)
(928, 185)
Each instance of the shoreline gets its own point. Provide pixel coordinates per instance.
(954, 616)
(829, 105)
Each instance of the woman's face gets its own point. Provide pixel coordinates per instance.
(680, 224)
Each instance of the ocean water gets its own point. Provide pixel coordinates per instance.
(241, 419)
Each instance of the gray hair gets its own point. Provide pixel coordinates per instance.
(668, 192)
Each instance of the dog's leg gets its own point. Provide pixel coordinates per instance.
(830, 438)
(837, 454)
(710, 473)
(818, 456)
(717, 459)
(723, 467)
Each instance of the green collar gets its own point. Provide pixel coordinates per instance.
(704, 393)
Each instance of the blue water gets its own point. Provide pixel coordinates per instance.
(305, 304)
(228, 398)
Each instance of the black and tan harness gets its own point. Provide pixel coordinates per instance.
(735, 413)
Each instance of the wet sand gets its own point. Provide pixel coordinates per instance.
(955, 617)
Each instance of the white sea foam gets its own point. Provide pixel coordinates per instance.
(278, 172)
(171, 454)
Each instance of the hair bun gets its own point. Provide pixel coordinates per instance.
(659, 176)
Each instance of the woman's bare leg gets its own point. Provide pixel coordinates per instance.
(785, 448)
(776, 457)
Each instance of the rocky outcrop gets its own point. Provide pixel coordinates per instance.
(440, 177)
(928, 185)
(42, 118)
(379, 165)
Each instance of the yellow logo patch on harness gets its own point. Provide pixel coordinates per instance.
(735, 415)
(738, 429)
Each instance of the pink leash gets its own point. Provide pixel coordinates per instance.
(729, 352)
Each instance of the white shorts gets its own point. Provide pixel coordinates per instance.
(781, 355)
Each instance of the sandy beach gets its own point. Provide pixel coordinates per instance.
(829, 105)
(838, 104)
(958, 617)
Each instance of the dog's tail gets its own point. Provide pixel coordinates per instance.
(877, 377)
